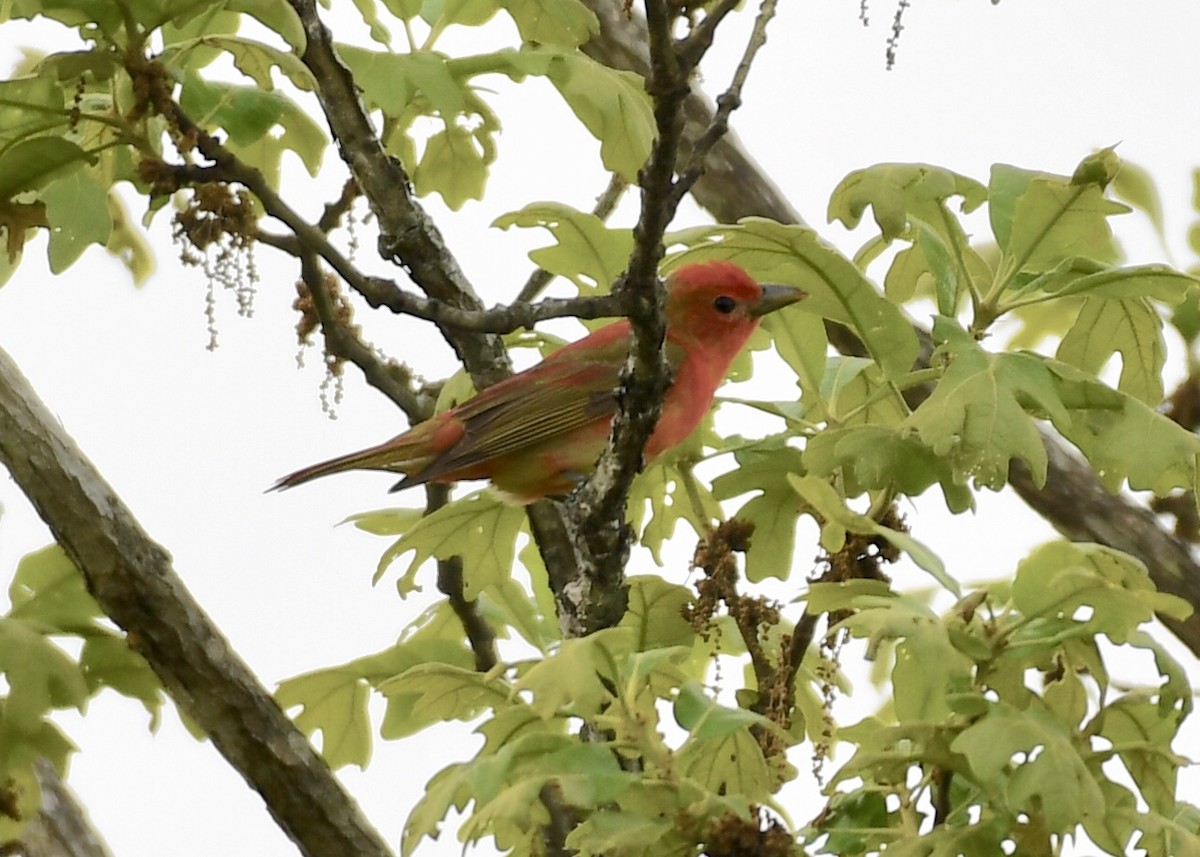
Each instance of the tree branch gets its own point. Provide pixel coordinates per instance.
(131, 578)
(408, 235)
(341, 341)
(61, 827)
(596, 510)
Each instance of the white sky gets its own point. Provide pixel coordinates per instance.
(189, 439)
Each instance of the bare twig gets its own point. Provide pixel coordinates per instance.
(343, 343)
(727, 102)
(336, 210)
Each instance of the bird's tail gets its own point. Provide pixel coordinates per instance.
(390, 456)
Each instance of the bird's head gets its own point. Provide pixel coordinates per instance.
(717, 302)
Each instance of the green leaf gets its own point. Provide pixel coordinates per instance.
(974, 418)
(829, 505)
(856, 393)
(1122, 438)
(1142, 736)
(773, 511)
(872, 458)
(469, 13)
(1056, 783)
(1054, 219)
(629, 834)
(661, 493)
(405, 10)
(1175, 695)
(508, 601)
(40, 677)
(586, 251)
(928, 670)
(795, 255)
(108, 661)
(384, 78)
(33, 163)
(1134, 186)
(704, 718)
(28, 106)
(454, 165)
(480, 528)
(1136, 281)
(1060, 577)
(48, 591)
(1130, 327)
(1005, 186)
(611, 104)
(848, 820)
(333, 702)
(564, 23)
(570, 679)
(720, 752)
(439, 692)
(948, 284)
(655, 613)
(448, 788)
(375, 27)
(386, 522)
(78, 213)
(898, 192)
(587, 775)
(277, 16)
(247, 114)
(19, 750)
(252, 58)
(844, 594)
(799, 338)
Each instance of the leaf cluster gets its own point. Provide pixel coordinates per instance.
(49, 607)
(1005, 729)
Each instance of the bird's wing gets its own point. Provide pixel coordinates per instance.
(549, 401)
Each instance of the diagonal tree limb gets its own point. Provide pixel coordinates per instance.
(61, 828)
(408, 236)
(733, 186)
(132, 579)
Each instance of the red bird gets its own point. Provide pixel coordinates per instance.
(537, 433)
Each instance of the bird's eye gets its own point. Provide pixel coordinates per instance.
(724, 304)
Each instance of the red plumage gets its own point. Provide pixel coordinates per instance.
(538, 432)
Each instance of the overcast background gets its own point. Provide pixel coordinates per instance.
(189, 438)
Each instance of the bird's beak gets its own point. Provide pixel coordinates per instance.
(775, 297)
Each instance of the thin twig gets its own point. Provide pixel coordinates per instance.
(342, 342)
(408, 235)
(729, 101)
(334, 211)
(450, 582)
(693, 48)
